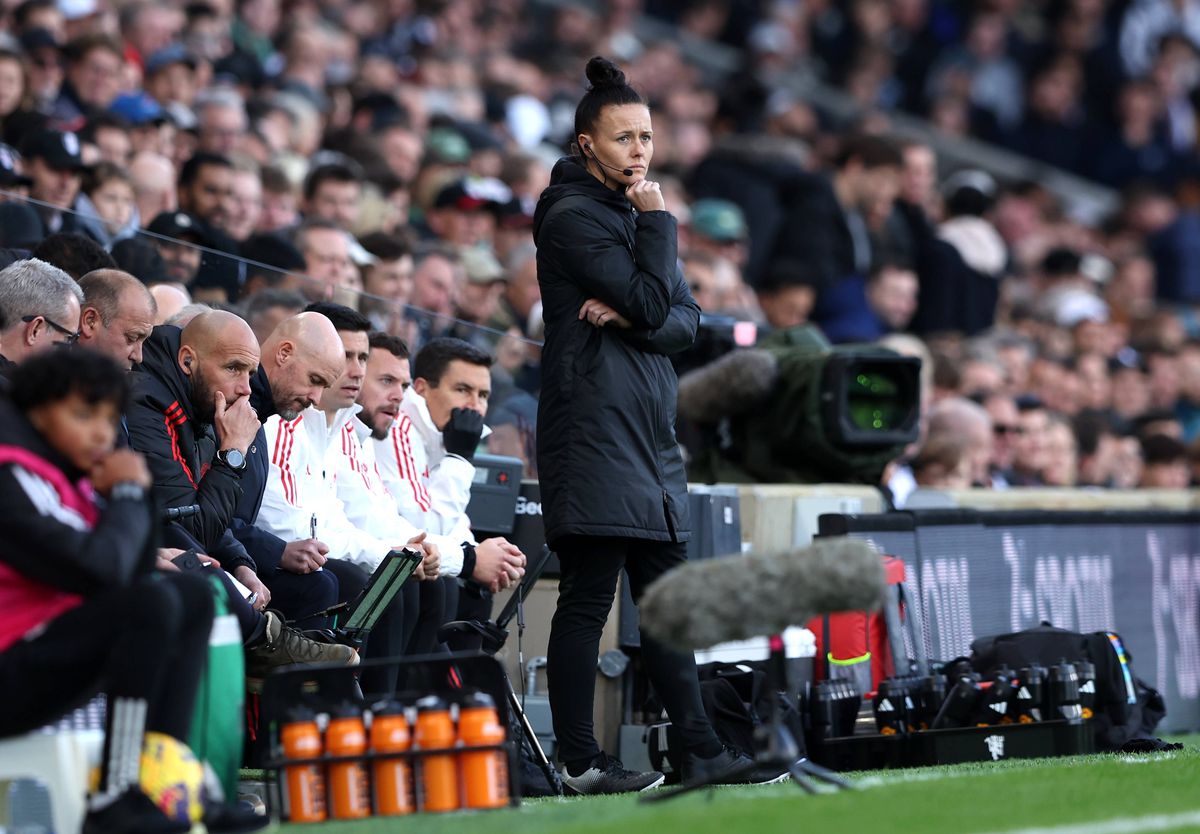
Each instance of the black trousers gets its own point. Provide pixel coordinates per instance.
(147, 641)
(299, 595)
(588, 583)
(390, 636)
(436, 601)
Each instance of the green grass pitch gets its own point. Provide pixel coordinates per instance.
(1102, 794)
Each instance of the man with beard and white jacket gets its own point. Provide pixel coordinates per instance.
(426, 456)
(493, 563)
(301, 497)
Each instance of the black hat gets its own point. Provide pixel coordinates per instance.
(178, 224)
(58, 149)
(38, 38)
(9, 176)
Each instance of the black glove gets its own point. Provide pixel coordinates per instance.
(461, 433)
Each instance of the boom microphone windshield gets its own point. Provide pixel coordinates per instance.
(701, 604)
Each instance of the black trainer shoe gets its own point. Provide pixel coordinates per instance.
(607, 775)
(132, 811)
(729, 767)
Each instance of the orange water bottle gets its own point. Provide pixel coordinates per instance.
(349, 797)
(439, 774)
(393, 777)
(484, 773)
(305, 788)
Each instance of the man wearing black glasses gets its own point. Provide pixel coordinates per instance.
(39, 310)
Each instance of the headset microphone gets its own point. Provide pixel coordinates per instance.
(628, 172)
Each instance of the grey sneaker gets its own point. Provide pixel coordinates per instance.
(607, 775)
(282, 645)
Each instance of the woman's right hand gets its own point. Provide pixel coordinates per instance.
(646, 196)
(122, 466)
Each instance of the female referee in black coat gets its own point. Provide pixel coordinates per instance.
(614, 491)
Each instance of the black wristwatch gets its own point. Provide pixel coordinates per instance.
(233, 458)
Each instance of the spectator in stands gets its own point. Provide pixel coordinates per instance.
(153, 179)
(73, 253)
(332, 193)
(719, 228)
(265, 310)
(942, 463)
(170, 299)
(388, 282)
(436, 281)
(521, 300)
(53, 161)
(968, 422)
(39, 308)
(280, 204)
(1097, 447)
(1165, 463)
(118, 315)
(221, 121)
(1137, 149)
(177, 237)
(93, 80)
(1054, 124)
(107, 136)
(271, 263)
(206, 190)
(885, 303)
(478, 297)
(83, 608)
(1030, 454)
(105, 208)
(246, 199)
(327, 262)
(1006, 427)
(1062, 453)
(787, 294)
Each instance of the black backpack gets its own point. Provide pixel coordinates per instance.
(1126, 708)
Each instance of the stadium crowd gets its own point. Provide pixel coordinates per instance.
(389, 157)
(306, 230)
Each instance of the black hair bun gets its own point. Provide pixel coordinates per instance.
(602, 73)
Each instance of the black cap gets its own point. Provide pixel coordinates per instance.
(58, 149)
(178, 224)
(9, 163)
(38, 38)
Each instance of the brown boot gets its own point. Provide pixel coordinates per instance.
(281, 645)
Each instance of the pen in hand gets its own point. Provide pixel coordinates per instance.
(312, 527)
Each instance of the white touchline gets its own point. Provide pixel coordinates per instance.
(1121, 825)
